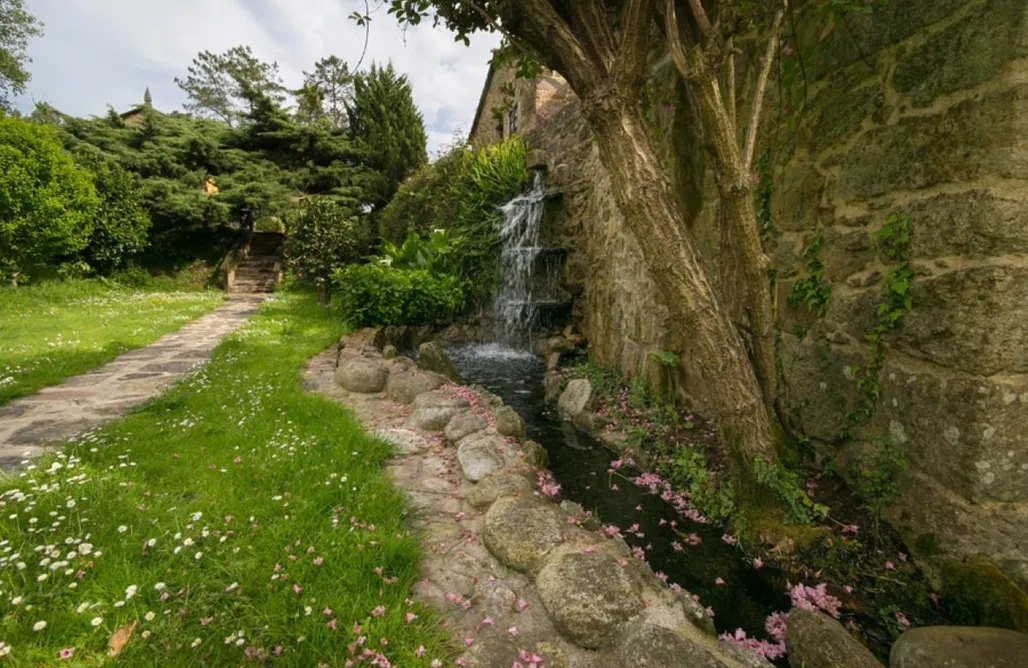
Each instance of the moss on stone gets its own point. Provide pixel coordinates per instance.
(977, 593)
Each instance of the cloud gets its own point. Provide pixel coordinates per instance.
(106, 52)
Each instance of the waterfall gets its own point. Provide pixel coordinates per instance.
(517, 302)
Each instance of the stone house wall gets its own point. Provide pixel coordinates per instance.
(921, 106)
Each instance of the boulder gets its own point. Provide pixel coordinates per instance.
(478, 458)
(509, 423)
(589, 597)
(495, 485)
(403, 387)
(577, 398)
(362, 375)
(815, 640)
(977, 593)
(389, 351)
(463, 425)
(959, 647)
(400, 363)
(661, 638)
(434, 410)
(431, 356)
(552, 361)
(520, 532)
(535, 454)
(405, 441)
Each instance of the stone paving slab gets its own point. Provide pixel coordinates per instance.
(58, 412)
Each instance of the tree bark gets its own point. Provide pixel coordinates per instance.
(642, 190)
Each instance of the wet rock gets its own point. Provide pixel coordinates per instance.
(464, 425)
(403, 387)
(551, 386)
(509, 423)
(520, 532)
(557, 344)
(661, 638)
(576, 399)
(535, 454)
(978, 593)
(362, 375)
(389, 351)
(495, 485)
(959, 647)
(589, 597)
(552, 361)
(815, 640)
(478, 458)
(434, 410)
(432, 357)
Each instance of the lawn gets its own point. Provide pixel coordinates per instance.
(234, 518)
(54, 330)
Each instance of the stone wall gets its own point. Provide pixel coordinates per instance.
(921, 106)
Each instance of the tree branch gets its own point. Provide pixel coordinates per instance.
(758, 94)
(592, 16)
(636, 20)
(730, 87)
(702, 20)
(674, 39)
(547, 32)
(495, 25)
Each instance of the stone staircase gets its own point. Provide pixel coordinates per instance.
(260, 266)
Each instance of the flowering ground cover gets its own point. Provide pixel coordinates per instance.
(51, 331)
(233, 520)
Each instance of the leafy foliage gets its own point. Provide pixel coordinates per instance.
(462, 192)
(17, 26)
(894, 242)
(323, 236)
(691, 473)
(333, 82)
(47, 203)
(121, 223)
(218, 85)
(799, 508)
(812, 291)
(416, 252)
(876, 476)
(376, 294)
(387, 125)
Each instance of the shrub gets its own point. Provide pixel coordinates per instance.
(121, 222)
(417, 253)
(269, 224)
(461, 192)
(47, 204)
(376, 294)
(324, 235)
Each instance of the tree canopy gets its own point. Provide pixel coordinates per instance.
(17, 26)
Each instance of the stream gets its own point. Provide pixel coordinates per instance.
(580, 464)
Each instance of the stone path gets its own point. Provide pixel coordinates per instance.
(62, 411)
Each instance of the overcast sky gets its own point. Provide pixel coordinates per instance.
(100, 52)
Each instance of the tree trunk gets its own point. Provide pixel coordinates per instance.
(642, 190)
(740, 232)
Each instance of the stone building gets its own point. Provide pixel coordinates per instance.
(919, 107)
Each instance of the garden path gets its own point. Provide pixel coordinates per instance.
(55, 413)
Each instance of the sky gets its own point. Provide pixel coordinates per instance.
(96, 53)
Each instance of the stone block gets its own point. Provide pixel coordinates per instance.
(970, 140)
(520, 532)
(974, 223)
(966, 54)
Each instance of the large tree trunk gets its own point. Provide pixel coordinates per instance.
(750, 290)
(642, 190)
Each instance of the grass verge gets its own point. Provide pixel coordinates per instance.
(54, 330)
(235, 517)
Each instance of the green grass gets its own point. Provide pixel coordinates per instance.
(270, 486)
(53, 330)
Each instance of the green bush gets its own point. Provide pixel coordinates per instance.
(269, 224)
(324, 235)
(376, 294)
(461, 192)
(121, 223)
(47, 204)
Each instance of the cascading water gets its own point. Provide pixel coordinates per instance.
(518, 299)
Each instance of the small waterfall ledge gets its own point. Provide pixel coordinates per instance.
(530, 296)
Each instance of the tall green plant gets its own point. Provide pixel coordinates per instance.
(47, 203)
(323, 236)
